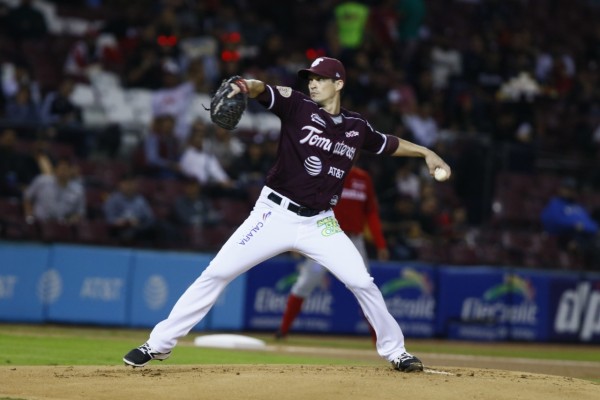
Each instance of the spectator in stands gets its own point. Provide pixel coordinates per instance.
(16, 76)
(252, 166)
(55, 197)
(162, 149)
(422, 125)
(407, 182)
(129, 214)
(174, 97)
(26, 22)
(196, 162)
(22, 109)
(566, 218)
(401, 229)
(58, 107)
(348, 28)
(92, 50)
(144, 66)
(193, 208)
(225, 146)
(16, 169)
(62, 114)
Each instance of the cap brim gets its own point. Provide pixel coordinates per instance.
(304, 73)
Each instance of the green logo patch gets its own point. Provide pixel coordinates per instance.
(330, 226)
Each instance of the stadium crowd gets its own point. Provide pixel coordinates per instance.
(508, 91)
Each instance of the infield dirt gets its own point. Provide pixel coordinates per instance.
(450, 377)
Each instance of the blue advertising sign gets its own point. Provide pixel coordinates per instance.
(160, 278)
(330, 308)
(409, 293)
(472, 303)
(527, 295)
(94, 285)
(24, 284)
(575, 307)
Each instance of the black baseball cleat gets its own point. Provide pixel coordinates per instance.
(142, 355)
(407, 363)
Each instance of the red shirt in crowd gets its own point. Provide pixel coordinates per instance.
(358, 207)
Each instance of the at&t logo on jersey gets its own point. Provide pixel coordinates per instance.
(313, 165)
(336, 172)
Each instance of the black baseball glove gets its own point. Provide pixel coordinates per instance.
(226, 111)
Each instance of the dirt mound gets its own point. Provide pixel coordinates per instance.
(285, 382)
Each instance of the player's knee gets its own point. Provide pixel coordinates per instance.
(359, 283)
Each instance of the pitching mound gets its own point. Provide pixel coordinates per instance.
(285, 382)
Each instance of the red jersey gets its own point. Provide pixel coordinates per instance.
(358, 206)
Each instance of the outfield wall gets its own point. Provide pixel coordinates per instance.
(137, 288)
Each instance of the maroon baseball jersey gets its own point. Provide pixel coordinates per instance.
(316, 149)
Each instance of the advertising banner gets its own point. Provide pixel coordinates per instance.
(472, 303)
(409, 293)
(160, 278)
(25, 286)
(93, 285)
(575, 307)
(330, 308)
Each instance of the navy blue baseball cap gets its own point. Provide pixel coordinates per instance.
(325, 67)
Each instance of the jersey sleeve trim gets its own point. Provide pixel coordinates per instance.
(272, 97)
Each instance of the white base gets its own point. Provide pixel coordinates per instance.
(229, 341)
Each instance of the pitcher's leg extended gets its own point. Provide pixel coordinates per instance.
(347, 265)
(257, 239)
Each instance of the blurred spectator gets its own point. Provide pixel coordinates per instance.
(196, 162)
(16, 169)
(422, 125)
(408, 182)
(58, 108)
(349, 26)
(26, 22)
(144, 67)
(446, 62)
(411, 15)
(565, 218)
(129, 214)
(22, 109)
(161, 149)
(251, 168)
(400, 228)
(193, 208)
(93, 50)
(17, 76)
(174, 97)
(401, 94)
(225, 145)
(56, 197)
(66, 118)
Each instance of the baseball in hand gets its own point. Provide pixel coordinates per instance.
(440, 174)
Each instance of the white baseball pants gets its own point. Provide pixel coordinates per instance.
(312, 273)
(270, 230)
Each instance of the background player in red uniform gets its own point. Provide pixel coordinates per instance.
(356, 209)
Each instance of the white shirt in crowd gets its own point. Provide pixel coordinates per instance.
(203, 166)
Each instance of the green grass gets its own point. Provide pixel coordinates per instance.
(69, 345)
(42, 345)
